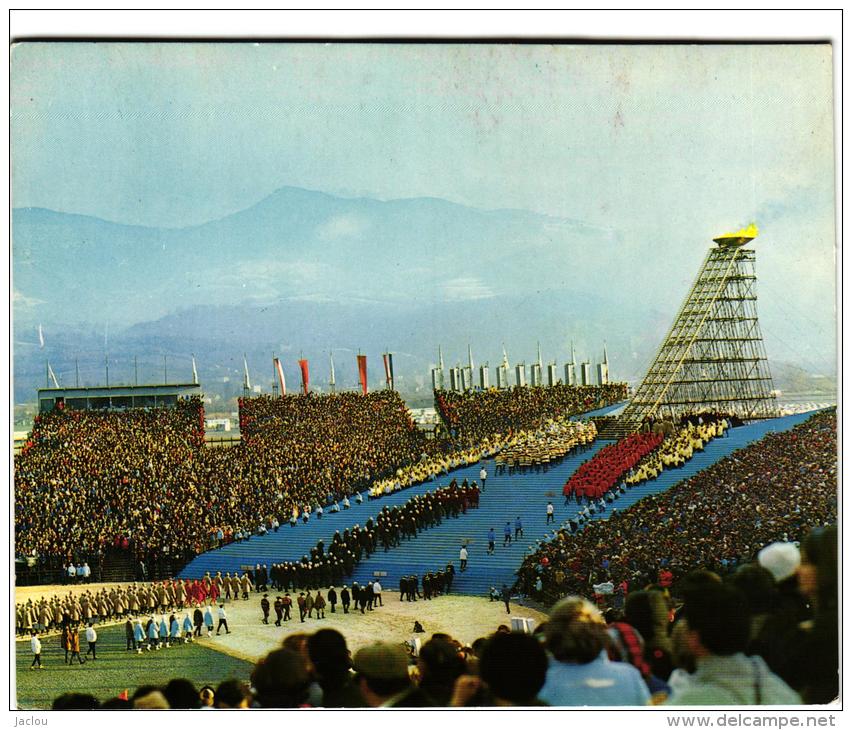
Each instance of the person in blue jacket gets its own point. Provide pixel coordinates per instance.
(138, 635)
(164, 632)
(208, 621)
(152, 634)
(491, 541)
(187, 629)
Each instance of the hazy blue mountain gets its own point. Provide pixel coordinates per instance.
(301, 272)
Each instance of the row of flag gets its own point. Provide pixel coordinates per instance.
(304, 369)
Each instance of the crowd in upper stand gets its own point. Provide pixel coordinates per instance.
(87, 481)
(478, 414)
(775, 489)
(141, 480)
(331, 444)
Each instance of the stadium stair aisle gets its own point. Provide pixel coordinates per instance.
(506, 497)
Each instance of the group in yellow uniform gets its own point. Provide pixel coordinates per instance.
(676, 450)
(540, 447)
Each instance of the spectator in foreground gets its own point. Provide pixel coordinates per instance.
(716, 632)
(281, 679)
(580, 672)
(332, 666)
(815, 648)
(75, 701)
(384, 679)
(232, 694)
(513, 668)
(440, 665)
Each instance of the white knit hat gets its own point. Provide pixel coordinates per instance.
(782, 559)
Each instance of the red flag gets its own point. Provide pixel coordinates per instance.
(362, 372)
(303, 364)
(125, 695)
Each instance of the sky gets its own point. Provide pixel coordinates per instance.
(665, 146)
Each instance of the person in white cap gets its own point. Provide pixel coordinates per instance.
(782, 559)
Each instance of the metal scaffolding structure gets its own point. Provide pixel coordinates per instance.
(712, 358)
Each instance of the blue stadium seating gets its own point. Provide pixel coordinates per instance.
(507, 497)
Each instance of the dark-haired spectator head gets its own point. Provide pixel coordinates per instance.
(478, 645)
(758, 587)
(514, 667)
(440, 664)
(817, 573)
(328, 653)
(281, 679)
(233, 694)
(332, 662)
(696, 580)
(717, 621)
(207, 696)
(75, 701)
(648, 612)
(182, 695)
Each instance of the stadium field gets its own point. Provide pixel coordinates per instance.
(116, 669)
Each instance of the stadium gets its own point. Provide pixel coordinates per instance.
(542, 534)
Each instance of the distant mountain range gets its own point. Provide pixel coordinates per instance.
(302, 272)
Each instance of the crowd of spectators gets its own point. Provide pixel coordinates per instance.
(775, 489)
(331, 444)
(88, 482)
(765, 635)
(474, 415)
(141, 481)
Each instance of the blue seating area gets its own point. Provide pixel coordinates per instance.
(507, 496)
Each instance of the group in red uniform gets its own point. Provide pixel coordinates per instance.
(603, 471)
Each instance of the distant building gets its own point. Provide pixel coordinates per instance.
(217, 424)
(552, 377)
(520, 375)
(585, 373)
(115, 397)
(535, 375)
(502, 377)
(483, 377)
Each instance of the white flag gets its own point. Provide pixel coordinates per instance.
(278, 369)
(331, 362)
(194, 372)
(40, 337)
(246, 381)
(52, 376)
